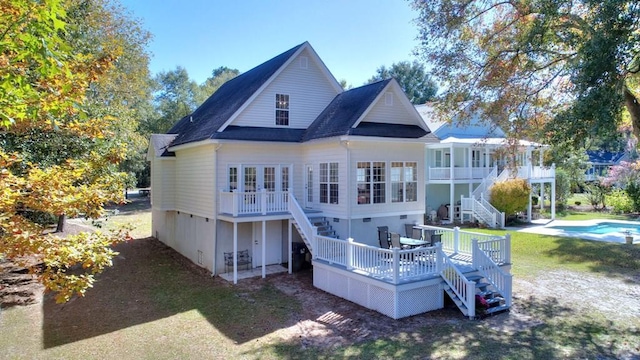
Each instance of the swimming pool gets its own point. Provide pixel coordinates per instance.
(602, 228)
(597, 229)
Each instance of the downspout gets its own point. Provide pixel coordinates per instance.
(345, 144)
(215, 210)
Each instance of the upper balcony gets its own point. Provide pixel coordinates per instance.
(248, 203)
(477, 174)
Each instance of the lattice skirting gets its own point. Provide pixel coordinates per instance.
(395, 301)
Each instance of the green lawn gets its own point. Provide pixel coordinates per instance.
(154, 305)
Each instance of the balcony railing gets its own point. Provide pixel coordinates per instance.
(479, 173)
(253, 203)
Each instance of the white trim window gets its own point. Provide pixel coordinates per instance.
(404, 181)
(282, 109)
(476, 158)
(329, 183)
(233, 178)
(285, 178)
(371, 182)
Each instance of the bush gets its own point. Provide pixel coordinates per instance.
(620, 202)
(578, 203)
(563, 188)
(510, 196)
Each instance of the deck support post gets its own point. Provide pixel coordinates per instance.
(264, 249)
(474, 253)
(290, 238)
(349, 254)
(396, 265)
(507, 248)
(235, 252)
(456, 239)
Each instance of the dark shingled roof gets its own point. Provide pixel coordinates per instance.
(346, 108)
(260, 134)
(218, 108)
(161, 143)
(604, 157)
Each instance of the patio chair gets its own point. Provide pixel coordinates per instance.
(416, 234)
(243, 259)
(436, 238)
(395, 241)
(408, 230)
(383, 237)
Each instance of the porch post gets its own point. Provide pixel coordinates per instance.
(553, 196)
(507, 248)
(235, 252)
(530, 206)
(264, 249)
(541, 198)
(396, 265)
(289, 257)
(439, 259)
(349, 253)
(452, 189)
(474, 253)
(263, 201)
(456, 239)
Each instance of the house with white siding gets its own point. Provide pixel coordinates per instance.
(281, 156)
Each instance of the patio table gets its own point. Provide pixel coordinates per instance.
(412, 242)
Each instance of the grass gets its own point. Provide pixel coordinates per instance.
(160, 307)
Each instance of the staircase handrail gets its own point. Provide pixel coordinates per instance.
(500, 216)
(479, 210)
(493, 273)
(486, 183)
(309, 231)
(462, 287)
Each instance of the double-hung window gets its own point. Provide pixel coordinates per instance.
(404, 181)
(371, 182)
(282, 109)
(329, 183)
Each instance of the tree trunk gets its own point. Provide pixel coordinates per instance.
(61, 219)
(633, 106)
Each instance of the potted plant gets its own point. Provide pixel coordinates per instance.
(627, 237)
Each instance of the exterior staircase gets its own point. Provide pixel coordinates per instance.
(323, 225)
(478, 205)
(495, 301)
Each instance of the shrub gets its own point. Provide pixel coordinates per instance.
(563, 188)
(620, 202)
(510, 196)
(596, 194)
(578, 203)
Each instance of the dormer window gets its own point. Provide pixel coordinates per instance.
(282, 109)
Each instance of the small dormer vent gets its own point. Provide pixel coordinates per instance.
(388, 99)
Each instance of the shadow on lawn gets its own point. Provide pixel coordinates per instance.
(607, 258)
(148, 282)
(547, 332)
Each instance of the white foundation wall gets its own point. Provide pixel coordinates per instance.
(190, 235)
(395, 301)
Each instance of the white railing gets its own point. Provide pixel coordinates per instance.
(245, 203)
(486, 183)
(462, 287)
(498, 249)
(543, 172)
(484, 255)
(455, 240)
(391, 265)
(459, 173)
(333, 251)
(308, 231)
(499, 215)
(480, 211)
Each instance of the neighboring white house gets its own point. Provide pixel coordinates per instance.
(468, 160)
(600, 161)
(281, 154)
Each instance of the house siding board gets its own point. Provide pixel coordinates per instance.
(390, 114)
(328, 153)
(194, 181)
(387, 152)
(309, 93)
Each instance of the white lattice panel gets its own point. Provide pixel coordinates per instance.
(381, 300)
(420, 300)
(359, 292)
(338, 285)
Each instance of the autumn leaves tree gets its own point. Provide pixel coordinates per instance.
(548, 69)
(44, 80)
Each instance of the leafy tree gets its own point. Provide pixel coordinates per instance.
(510, 196)
(43, 86)
(413, 79)
(176, 96)
(218, 77)
(563, 189)
(626, 176)
(556, 68)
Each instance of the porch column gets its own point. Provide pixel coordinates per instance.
(452, 188)
(541, 198)
(290, 246)
(530, 206)
(235, 252)
(553, 199)
(469, 163)
(264, 249)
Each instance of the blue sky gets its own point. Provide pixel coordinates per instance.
(353, 37)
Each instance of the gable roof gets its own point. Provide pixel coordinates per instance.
(605, 157)
(475, 128)
(346, 111)
(205, 121)
(160, 143)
